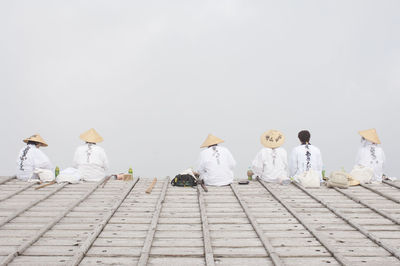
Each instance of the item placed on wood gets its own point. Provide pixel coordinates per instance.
(150, 188)
(243, 182)
(45, 185)
(309, 179)
(338, 179)
(124, 177)
(203, 185)
(362, 174)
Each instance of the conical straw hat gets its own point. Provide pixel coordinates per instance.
(272, 139)
(211, 140)
(36, 138)
(91, 136)
(371, 135)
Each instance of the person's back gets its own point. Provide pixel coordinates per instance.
(215, 164)
(305, 157)
(31, 158)
(370, 154)
(270, 163)
(90, 159)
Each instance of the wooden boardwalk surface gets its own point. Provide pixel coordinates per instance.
(255, 224)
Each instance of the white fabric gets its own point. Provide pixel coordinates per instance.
(300, 162)
(310, 178)
(371, 155)
(362, 174)
(271, 165)
(215, 166)
(45, 175)
(29, 159)
(338, 179)
(70, 175)
(91, 160)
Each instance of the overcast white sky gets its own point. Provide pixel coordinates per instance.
(155, 77)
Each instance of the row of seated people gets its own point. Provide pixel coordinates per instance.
(216, 164)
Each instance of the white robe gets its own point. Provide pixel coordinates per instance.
(215, 166)
(371, 155)
(91, 161)
(304, 158)
(271, 164)
(29, 159)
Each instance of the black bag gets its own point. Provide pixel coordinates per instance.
(184, 181)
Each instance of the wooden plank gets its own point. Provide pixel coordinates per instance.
(47, 227)
(391, 183)
(209, 255)
(100, 226)
(265, 241)
(7, 196)
(373, 236)
(7, 179)
(380, 193)
(340, 258)
(30, 205)
(145, 253)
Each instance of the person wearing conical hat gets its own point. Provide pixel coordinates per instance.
(370, 153)
(305, 157)
(215, 164)
(270, 164)
(30, 158)
(91, 159)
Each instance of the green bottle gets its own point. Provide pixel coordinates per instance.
(249, 174)
(57, 171)
(130, 171)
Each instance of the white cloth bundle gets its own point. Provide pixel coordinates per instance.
(45, 175)
(309, 179)
(70, 175)
(362, 173)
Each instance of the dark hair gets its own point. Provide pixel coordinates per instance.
(33, 142)
(304, 136)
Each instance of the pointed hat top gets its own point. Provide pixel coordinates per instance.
(371, 135)
(211, 140)
(36, 138)
(91, 136)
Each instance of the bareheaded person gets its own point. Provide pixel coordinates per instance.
(305, 157)
(90, 159)
(370, 154)
(270, 163)
(30, 158)
(215, 164)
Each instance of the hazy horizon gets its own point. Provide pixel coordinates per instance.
(155, 78)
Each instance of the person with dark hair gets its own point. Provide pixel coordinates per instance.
(30, 158)
(305, 157)
(215, 164)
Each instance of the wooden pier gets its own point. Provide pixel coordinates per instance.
(255, 224)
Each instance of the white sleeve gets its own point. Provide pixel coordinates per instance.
(232, 162)
(105, 161)
(258, 165)
(285, 160)
(293, 163)
(200, 165)
(42, 161)
(319, 161)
